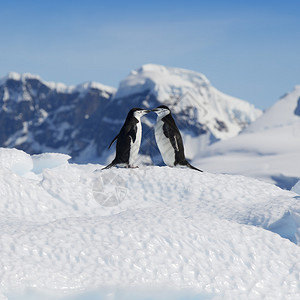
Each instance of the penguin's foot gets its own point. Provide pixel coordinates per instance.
(132, 167)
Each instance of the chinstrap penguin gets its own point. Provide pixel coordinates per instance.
(128, 140)
(169, 140)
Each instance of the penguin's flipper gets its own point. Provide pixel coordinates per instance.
(192, 167)
(113, 141)
(171, 133)
(132, 132)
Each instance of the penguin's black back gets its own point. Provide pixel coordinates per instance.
(172, 132)
(124, 138)
(126, 134)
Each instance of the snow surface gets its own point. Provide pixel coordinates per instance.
(75, 232)
(268, 149)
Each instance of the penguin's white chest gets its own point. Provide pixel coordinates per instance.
(164, 144)
(135, 145)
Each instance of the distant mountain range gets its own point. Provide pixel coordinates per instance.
(221, 133)
(38, 116)
(268, 149)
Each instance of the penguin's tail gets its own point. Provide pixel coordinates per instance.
(109, 166)
(192, 167)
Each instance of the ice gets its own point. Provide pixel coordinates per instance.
(79, 232)
(48, 161)
(22, 163)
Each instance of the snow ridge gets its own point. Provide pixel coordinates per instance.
(57, 86)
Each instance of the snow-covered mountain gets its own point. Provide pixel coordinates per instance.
(203, 114)
(268, 149)
(38, 116)
(194, 101)
(74, 232)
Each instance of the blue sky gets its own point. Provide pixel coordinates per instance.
(247, 49)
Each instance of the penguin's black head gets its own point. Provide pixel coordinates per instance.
(162, 110)
(163, 106)
(137, 112)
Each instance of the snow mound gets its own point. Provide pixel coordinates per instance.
(15, 160)
(21, 163)
(74, 232)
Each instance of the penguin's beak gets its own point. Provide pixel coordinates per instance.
(146, 111)
(155, 109)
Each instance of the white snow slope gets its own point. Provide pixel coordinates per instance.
(268, 149)
(75, 232)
